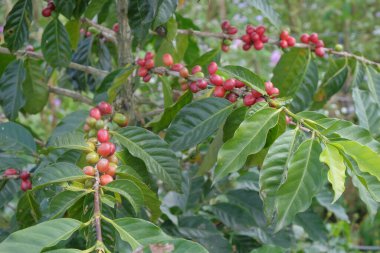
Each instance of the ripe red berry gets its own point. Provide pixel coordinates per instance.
(92, 158)
(10, 172)
(225, 25)
(260, 30)
(88, 34)
(167, 59)
(104, 149)
(24, 175)
(212, 68)
(115, 27)
(51, 6)
(111, 169)
(246, 47)
(256, 94)
(239, 84)
(177, 67)
(102, 165)
(219, 91)
(250, 29)
(216, 80)
(113, 159)
(260, 99)
(273, 91)
(268, 85)
(149, 63)
(202, 84)
(225, 48)
(89, 171)
(46, 12)
(313, 38)
(258, 45)
(284, 35)
(113, 148)
(142, 72)
(140, 62)
(95, 113)
(29, 48)
(255, 37)
(105, 179)
(103, 135)
(246, 38)
(193, 87)
(283, 44)
(184, 86)
(229, 84)
(304, 38)
(184, 72)
(26, 185)
(105, 108)
(196, 69)
(320, 51)
(232, 97)
(291, 41)
(249, 99)
(149, 56)
(264, 39)
(147, 78)
(232, 30)
(320, 43)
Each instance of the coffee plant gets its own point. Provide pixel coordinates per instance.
(170, 149)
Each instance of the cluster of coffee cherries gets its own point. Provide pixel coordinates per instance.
(46, 12)
(228, 29)
(314, 40)
(254, 37)
(145, 64)
(26, 184)
(254, 96)
(286, 40)
(101, 155)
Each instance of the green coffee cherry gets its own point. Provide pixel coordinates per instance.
(338, 47)
(99, 124)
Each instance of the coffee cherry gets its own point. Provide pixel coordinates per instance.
(320, 51)
(246, 38)
(184, 72)
(225, 48)
(92, 158)
(29, 48)
(313, 38)
(249, 99)
(258, 45)
(260, 30)
(273, 91)
(24, 175)
(250, 29)
(88, 34)
(115, 27)
(104, 149)
(91, 121)
(260, 99)
(232, 97)
(202, 84)
(219, 91)
(149, 63)
(113, 159)
(229, 84)
(26, 185)
(10, 172)
(111, 169)
(89, 171)
(95, 113)
(147, 78)
(93, 140)
(199, 75)
(149, 56)
(212, 68)
(119, 118)
(320, 43)
(86, 128)
(177, 67)
(225, 25)
(239, 84)
(284, 35)
(193, 87)
(92, 133)
(268, 85)
(140, 62)
(113, 148)
(264, 39)
(305, 38)
(255, 37)
(102, 165)
(246, 47)
(103, 135)
(167, 59)
(256, 94)
(283, 44)
(90, 145)
(105, 179)
(46, 12)
(338, 47)
(291, 41)
(141, 72)
(51, 6)
(227, 42)
(196, 69)
(216, 80)
(232, 30)
(100, 124)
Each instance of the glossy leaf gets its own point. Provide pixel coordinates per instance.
(268, 249)
(372, 83)
(165, 9)
(28, 210)
(65, 7)
(8, 189)
(267, 11)
(248, 139)
(233, 121)
(94, 7)
(16, 29)
(197, 121)
(69, 124)
(40, 236)
(313, 225)
(140, 16)
(63, 201)
(72, 140)
(73, 29)
(302, 183)
(211, 156)
(15, 138)
(159, 159)
(118, 81)
(233, 216)
(325, 198)
(55, 44)
(11, 94)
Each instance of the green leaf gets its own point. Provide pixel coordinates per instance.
(165, 9)
(6, 59)
(248, 139)
(11, 94)
(205, 59)
(267, 11)
(94, 8)
(302, 183)
(233, 121)
(65, 7)
(268, 249)
(332, 82)
(367, 110)
(164, 120)
(64, 251)
(8, 190)
(129, 190)
(15, 138)
(73, 29)
(40, 236)
(211, 156)
(70, 123)
(57, 173)
(233, 216)
(313, 225)
(118, 81)
(63, 201)
(325, 198)
(140, 16)
(372, 82)
(358, 75)
(55, 44)
(246, 76)
(28, 210)
(159, 159)
(167, 91)
(337, 173)
(71, 140)
(275, 167)
(16, 29)
(35, 87)
(197, 121)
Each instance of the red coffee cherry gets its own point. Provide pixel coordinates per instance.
(115, 27)
(260, 30)
(113, 148)
(219, 91)
(260, 99)
(88, 34)
(196, 69)
(232, 30)
(256, 94)
(142, 72)
(258, 45)
(26, 185)
(10, 172)
(239, 84)
(249, 99)
(313, 38)
(177, 67)
(89, 171)
(283, 44)
(105, 108)
(212, 68)
(102, 165)
(291, 41)
(229, 84)
(51, 6)
(216, 80)
(225, 48)
(304, 38)
(202, 84)
(46, 12)
(167, 59)
(193, 87)
(24, 175)
(246, 38)
(149, 63)
(103, 135)
(232, 97)
(184, 86)
(92, 158)
(111, 169)
(225, 25)
(320, 43)
(273, 92)
(95, 113)
(105, 179)
(264, 39)
(147, 78)
(149, 56)
(250, 29)
(246, 47)
(320, 51)
(268, 85)
(284, 35)
(184, 72)
(140, 62)
(104, 149)
(255, 37)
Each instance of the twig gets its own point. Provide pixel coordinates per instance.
(72, 94)
(97, 213)
(9, 177)
(106, 32)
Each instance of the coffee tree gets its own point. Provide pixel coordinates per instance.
(174, 150)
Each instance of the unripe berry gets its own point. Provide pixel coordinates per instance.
(111, 169)
(89, 171)
(193, 87)
(305, 38)
(258, 45)
(196, 69)
(102, 165)
(100, 124)
(95, 113)
(103, 135)
(232, 30)
(91, 146)
(249, 99)
(229, 84)
(199, 75)
(149, 63)
(184, 72)
(227, 42)
(93, 140)
(10, 172)
(250, 29)
(225, 48)
(140, 62)
(246, 38)
(113, 159)
(119, 118)
(283, 44)
(105, 179)
(232, 97)
(24, 175)
(149, 56)
(320, 51)
(338, 47)
(246, 47)
(225, 25)
(92, 158)
(219, 91)
(216, 80)
(239, 84)
(212, 68)
(26, 185)
(92, 133)
(313, 38)
(273, 91)
(104, 149)
(260, 30)
(284, 35)
(167, 59)
(147, 78)
(91, 121)
(256, 94)
(46, 12)
(177, 67)
(202, 84)
(115, 27)
(291, 41)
